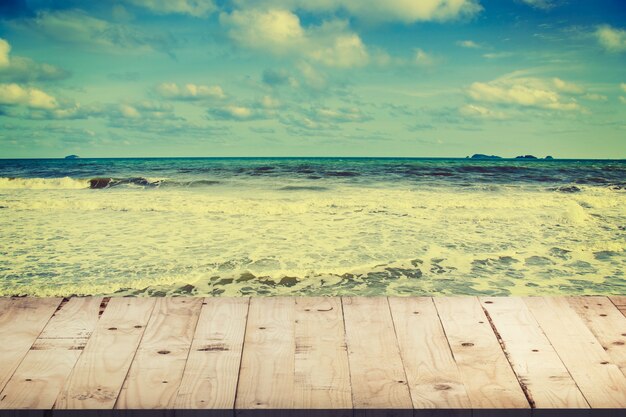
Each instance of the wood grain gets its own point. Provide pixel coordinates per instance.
(210, 377)
(97, 378)
(606, 323)
(534, 360)
(618, 300)
(266, 377)
(21, 322)
(433, 376)
(486, 372)
(322, 372)
(157, 368)
(600, 381)
(39, 378)
(377, 374)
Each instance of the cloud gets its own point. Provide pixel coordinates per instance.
(526, 92)
(540, 4)
(497, 55)
(340, 115)
(21, 70)
(150, 110)
(423, 59)
(566, 87)
(623, 87)
(405, 11)
(472, 110)
(611, 39)
(5, 48)
(278, 77)
(197, 8)
(469, 44)
(236, 112)
(279, 32)
(75, 26)
(15, 95)
(595, 97)
(190, 92)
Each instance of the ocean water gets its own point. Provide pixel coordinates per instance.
(312, 226)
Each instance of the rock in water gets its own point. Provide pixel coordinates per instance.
(97, 183)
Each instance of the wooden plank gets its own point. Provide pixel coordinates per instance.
(486, 372)
(433, 376)
(266, 377)
(322, 372)
(537, 365)
(76, 319)
(377, 374)
(158, 366)
(21, 322)
(618, 300)
(601, 382)
(39, 378)
(210, 377)
(97, 378)
(606, 323)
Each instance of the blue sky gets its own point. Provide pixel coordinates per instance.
(313, 78)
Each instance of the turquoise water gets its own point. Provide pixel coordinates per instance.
(311, 226)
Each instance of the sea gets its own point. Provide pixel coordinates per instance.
(312, 226)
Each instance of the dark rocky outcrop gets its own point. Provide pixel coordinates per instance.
(483, 156)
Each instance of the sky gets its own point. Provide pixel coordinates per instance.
(407, 78)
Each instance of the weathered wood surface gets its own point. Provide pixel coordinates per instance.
(378, 377)
(97, 378)
(41, 374)
(601, 382)
(212, 370)
(535, 362)
(487, 374)
(313, 353)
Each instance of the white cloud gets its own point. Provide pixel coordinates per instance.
(622, 99)
(341, 115)
(279, 31)
(472, 110)
(20, 69)
(540, 4)
(623, 87)
(423, 59)
(497, 55)
(469, 44)
(189, 91)
(198, 8)
(14, 94)
(129, 112)
(5, 48)
(236, 112)
(566, 87)
(595, 97)
(611, 39)
(525, 92)
(77, 27)
(407, 11)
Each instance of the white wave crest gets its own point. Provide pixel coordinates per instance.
(66, 183)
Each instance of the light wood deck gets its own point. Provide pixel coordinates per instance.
(313, 353)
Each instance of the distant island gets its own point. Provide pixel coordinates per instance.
(483, 156)
(72, 157)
